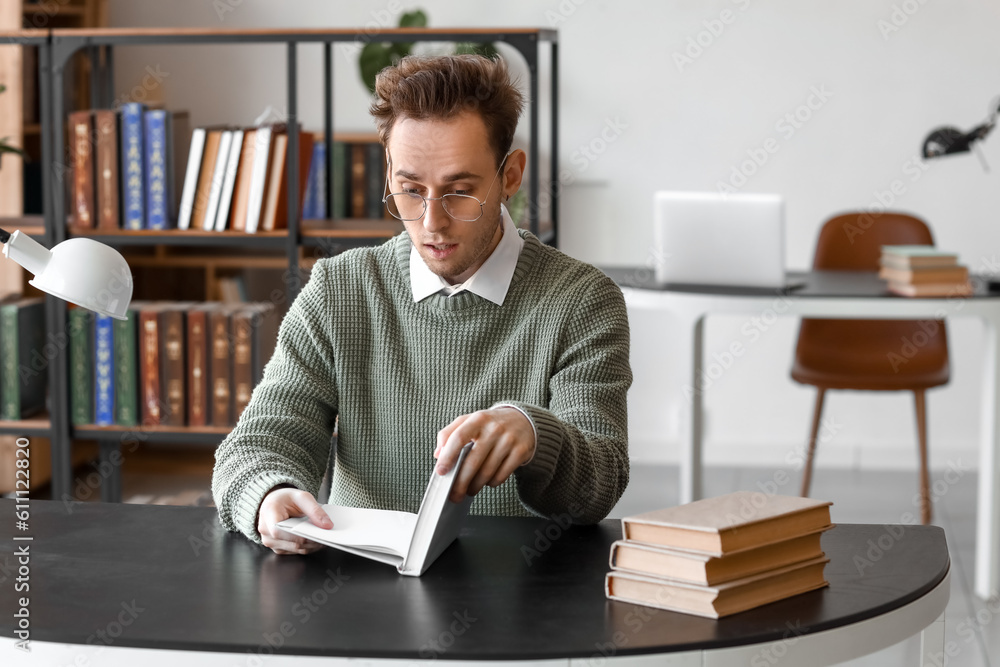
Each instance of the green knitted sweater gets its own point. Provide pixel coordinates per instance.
(355, 345)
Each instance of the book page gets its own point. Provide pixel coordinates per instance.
(380, 531)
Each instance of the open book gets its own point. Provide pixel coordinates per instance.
(409, 541)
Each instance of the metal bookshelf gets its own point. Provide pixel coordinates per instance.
(59, 46)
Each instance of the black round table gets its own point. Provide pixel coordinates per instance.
(111, 578)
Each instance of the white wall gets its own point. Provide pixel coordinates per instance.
(688, 127)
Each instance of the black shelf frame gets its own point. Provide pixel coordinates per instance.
(98, 45)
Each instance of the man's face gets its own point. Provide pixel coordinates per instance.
(437, 157)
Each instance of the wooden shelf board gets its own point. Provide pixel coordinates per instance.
(54, 9)
(263, 32)
(39, 423)
(32, 225)
(174, 233)
(85, 430)
(14, 35)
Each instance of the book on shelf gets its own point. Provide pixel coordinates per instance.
(721, 599)
(275, 213)
(410, 542)
(23, 381)
(196, 352)
(728, 523)
(126, 370)
(81, 388)
(132, 169)
(104, 371)
(220, 367)
(697, 567)
(106, 127)
(150, 394)
(172, 369)
(81, 212)
(229, 180)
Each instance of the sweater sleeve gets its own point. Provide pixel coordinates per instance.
(284, 434)
(580, 466)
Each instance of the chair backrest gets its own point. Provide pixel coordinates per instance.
(853, 241)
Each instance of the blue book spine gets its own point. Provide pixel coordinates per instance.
(132, 165)
(157, 196)
(309, 200)
(104, 371)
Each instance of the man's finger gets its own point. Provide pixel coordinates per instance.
(468, 431)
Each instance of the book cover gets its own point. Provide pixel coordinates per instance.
(81, 404)
(951, 274)
(172, 371)
(358, 185)
(411, 542)
(218, 178)
(191, 176)
(696, 567)
(275, 214)
(106, 125)
(931, 289)
(244, 174)
(206, 175)
(229, 182)
(314, 201)
(730, 522)
(22, 337)
(157, 192)
(126, 385)
(150, 410)
(374, 180)
(720, 600)
(197, 365)
(264, 141)
(341, 182)
(242, 385)
(265, 321)
(132, 169)
(104, 378)
(220, 367)
(81, 135)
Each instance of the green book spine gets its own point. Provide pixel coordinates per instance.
(10, 395)
(341, 179)
(80, 367)
(126, 375)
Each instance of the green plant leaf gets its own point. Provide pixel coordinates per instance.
(415, 19)
(485, 49)
(373, 59)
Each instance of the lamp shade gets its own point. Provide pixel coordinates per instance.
(80, 270)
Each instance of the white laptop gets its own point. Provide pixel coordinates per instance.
(708, 238)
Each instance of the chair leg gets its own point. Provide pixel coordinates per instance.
(813, 436)
(925, 477)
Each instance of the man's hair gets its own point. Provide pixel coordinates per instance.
(442, 87)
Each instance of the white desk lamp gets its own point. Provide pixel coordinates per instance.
(79, 270)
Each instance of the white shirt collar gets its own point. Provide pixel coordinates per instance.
(491, 281)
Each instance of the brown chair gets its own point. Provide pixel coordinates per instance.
(865, 354)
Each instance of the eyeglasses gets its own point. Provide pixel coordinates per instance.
(409, 206)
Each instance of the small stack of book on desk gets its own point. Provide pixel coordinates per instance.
(722, 555)
(923, 270)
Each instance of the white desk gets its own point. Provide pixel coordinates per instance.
(833, 294)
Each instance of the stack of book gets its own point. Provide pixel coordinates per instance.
(722, 555)
(171, 363)
(923, 270)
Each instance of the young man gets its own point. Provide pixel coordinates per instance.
(461, 329)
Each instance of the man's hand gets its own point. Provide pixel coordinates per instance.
(283, 503)
(504, 440)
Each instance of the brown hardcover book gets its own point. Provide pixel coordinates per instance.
(729, 523)
(954, 274)
(205, 175)
(106, 124)
(720, 600)
(358, 183)
(242, 384)
(81, 142)
(275, 213)
(220, 367)
(697, 568)
(197, 351)
(172, 373)
(241, 191)
(151, 404)
(931, 289)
